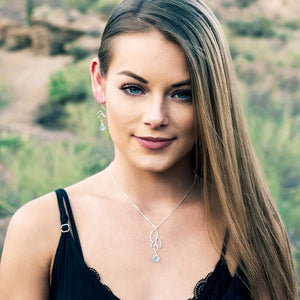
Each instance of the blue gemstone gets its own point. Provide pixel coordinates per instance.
(156, 258)
(102, 127)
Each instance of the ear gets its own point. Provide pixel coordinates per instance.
(97, 81)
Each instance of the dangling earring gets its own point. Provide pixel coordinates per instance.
(100, 115)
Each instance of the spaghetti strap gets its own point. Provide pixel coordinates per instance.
(63, 201)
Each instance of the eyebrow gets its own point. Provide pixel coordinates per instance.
(141, 79)
(130, 74)
(181, 83)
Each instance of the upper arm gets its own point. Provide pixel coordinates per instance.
(28, 250)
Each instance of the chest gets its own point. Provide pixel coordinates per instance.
(121, 253)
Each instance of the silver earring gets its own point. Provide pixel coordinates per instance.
(101, 115)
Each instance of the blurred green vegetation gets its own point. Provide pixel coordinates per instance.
(259, 27)
(29, 11)
(5, 95)
(38, 168)
(105, 7)
(244, 3)
(70, 84)
(2, 2)
(269, 73)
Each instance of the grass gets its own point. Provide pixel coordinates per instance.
(5, 95)
(38, 168)
(268, 70)
(3, 2)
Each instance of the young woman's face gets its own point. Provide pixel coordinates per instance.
(148, 102)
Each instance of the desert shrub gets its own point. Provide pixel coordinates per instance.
(259, 27)
(29, 12)
(70, 84)
(86, 112)
(4, 93)
(244, 3)
(52, 116)
(81, 5)
(283, 34)
(293, 24)
(106, 7)
(78, 53)
(226, 3)
(9, 144)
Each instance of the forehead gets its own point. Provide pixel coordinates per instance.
(147, 52)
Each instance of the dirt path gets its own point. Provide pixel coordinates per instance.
(27, 76)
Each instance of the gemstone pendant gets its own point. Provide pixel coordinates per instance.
(155, 244)
(101, 127)
(155, 258)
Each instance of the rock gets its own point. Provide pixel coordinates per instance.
(68, 20)
(52, 29)
(85, 43)
(17, 38)
(5, 24)
(41, 40)
(90, 24)
(46, 41)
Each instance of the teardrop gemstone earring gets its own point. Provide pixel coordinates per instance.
(101, 115)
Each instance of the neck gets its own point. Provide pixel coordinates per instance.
(153, 190)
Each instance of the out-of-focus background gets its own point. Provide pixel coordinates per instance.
(49, 135)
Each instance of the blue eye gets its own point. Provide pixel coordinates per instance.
(183, 95)
(133, 90)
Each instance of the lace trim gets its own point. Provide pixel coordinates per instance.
(96, 274)
(197, 290)
(200, 286)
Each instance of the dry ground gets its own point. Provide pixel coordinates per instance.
(26, 77)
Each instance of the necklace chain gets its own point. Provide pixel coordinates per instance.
(155, 241)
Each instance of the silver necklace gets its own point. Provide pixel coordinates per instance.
(155, 241)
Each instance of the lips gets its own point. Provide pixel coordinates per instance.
(154, 143)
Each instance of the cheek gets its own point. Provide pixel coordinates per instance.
(186, 122)
(121, 116)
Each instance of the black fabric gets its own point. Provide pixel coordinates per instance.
(72, 279)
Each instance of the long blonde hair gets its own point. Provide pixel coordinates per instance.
(224, 156)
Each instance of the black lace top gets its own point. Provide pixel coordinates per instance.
(72, 279)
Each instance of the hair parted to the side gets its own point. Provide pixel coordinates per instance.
(224, 155)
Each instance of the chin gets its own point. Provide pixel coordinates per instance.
(152, 166)
(157, 166)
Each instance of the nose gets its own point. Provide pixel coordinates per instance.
(155, 114)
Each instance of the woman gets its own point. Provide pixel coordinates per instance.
(183, 211)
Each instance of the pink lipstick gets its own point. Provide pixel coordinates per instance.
(154, 143)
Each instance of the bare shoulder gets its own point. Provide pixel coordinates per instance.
(36, 219)
(29, 247)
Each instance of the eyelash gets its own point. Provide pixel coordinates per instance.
(188, 94)
(125, 88)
